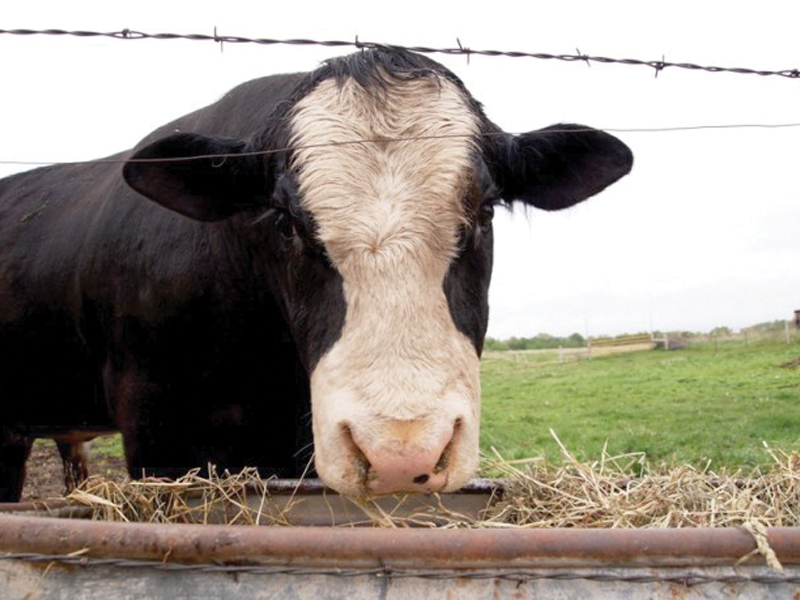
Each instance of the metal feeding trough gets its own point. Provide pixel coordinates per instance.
(46, 555)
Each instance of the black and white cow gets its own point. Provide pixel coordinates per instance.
(310, 253)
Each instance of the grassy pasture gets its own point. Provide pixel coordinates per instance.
(712, 402)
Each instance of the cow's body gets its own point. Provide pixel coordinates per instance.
(356, 271)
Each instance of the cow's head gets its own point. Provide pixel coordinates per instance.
(386, 200)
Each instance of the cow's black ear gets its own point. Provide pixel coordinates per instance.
(204, 178)
(561, 165)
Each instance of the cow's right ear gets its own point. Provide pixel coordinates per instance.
(201, 177)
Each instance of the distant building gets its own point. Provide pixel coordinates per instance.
(797, 319)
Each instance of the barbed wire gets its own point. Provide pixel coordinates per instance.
(224, 156)
(127, 34)
(685, 577)
(657, 65)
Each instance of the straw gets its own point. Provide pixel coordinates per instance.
(616, 491)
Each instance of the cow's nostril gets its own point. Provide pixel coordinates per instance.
(363, 463)
(420, 479)
(441, 465)
(444, 459)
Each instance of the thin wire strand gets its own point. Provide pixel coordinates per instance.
(683, 128)
(657, 65)
(519, 575)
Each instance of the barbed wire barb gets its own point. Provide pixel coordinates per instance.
(659, 66)
(463, 49)
(583, 56)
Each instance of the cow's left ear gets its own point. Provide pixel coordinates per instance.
(201, 177)
(561, 165)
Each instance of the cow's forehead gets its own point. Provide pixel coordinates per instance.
(385, 200)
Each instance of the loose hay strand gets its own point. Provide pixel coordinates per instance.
(759, 532)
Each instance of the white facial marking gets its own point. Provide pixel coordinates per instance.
(389, 215)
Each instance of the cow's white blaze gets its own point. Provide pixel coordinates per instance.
(401, 381)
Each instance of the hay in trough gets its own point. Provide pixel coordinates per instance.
(625, 492)
(621, 491)
(190, 499)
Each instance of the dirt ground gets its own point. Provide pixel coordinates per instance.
(45, 476)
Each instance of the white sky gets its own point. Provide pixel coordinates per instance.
(703, 233)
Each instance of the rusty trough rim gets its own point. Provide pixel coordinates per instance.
(314, 487)
(400, 548)
(301, 487)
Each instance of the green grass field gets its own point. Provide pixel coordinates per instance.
(715, 402)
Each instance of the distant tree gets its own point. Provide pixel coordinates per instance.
(576, 340)
(721, 332)
(494, 345)
(767, 327)
(516, 343)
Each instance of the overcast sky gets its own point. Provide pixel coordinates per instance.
(703, 233)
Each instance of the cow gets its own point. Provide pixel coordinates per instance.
(298, 270)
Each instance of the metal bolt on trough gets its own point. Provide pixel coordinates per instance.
(73, 559)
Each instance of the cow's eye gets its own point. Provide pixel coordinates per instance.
(284, 224)
(487, 214)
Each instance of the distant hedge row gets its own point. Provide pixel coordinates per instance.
(542, 341)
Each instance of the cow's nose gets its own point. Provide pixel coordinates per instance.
(419, 471)
(402, 465)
